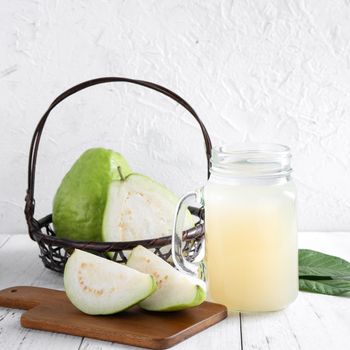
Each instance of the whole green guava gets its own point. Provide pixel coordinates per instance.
(80, 200)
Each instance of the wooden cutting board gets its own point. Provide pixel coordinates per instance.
(50, 310)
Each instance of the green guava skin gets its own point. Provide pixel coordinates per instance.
(80, 200)
(198, 299)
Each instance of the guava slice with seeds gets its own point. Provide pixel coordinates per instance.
(98, 286)
(139, 208)
(175, 291)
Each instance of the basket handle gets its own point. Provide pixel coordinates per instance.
(34, 147)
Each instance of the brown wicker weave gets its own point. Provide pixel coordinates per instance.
(55, 251)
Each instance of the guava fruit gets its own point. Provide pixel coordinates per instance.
(98, 286)
(80, 200)
(139, 208)
(175, 291)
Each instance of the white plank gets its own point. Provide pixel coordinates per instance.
(313, 321)
(93, 344)
(224, 335)
(20, 265)
(13, 336)
(3, 239)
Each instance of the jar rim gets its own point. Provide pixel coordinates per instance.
(244, 148)
(251, 160)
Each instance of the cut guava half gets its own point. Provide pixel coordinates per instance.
(98, 286)
(175, 291)
(80, 200)
(139, 208)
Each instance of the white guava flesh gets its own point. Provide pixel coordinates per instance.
(175, 291)
(98, 286)
(139, 208)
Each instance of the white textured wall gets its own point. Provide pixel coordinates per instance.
(254, 70)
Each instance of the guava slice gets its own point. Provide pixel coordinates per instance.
(80, 200)
(139, 208)
(98, 286)
(175, 291)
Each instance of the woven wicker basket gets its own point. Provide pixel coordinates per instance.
(55, 251)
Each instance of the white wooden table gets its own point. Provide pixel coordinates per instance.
(311, 322)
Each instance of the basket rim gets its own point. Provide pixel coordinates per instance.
(195, 233)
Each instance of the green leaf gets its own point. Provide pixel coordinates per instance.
(331, 287)
(312, 263)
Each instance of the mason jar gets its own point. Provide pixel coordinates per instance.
(251, 253)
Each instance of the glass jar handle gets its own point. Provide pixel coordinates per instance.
(193, 269)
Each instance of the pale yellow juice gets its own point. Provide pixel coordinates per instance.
(251, 245)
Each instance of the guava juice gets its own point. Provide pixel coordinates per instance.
(251, 245)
